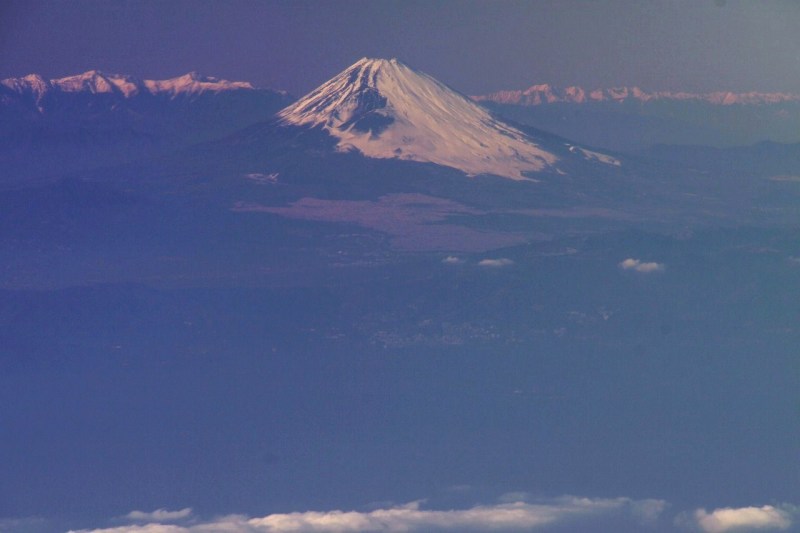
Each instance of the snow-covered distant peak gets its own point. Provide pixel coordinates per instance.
(547, 94)
(193, 83)
(32, 83)
(385, 109)
(96, 82)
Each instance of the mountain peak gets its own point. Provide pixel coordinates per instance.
(97, 82)
(194, 83)
(385, 109)
(192, 76)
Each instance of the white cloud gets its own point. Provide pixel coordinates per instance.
(640, 266)
(451, 260)
(730, 519)
(159, 515)
(496, 263)
(411, 518)
(505, 516)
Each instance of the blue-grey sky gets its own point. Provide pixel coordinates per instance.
(475, 46)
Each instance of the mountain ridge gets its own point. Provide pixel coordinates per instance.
(95, 119)
(126, 86)
(99, 82)
(542, 94)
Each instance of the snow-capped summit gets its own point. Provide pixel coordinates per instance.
(97, 82)
(385, 109)
(193, 83)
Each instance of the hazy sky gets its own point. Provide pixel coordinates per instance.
(476, 47)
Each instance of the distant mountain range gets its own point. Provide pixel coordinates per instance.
(40, 90)
(548, 94)
(630, 119)
(95, 82)
(94, 119)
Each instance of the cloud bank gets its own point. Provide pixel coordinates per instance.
(743, 518)
(513, 512)
(504, 516)
(641, 266)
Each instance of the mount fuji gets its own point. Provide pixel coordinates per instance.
(384, 109)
